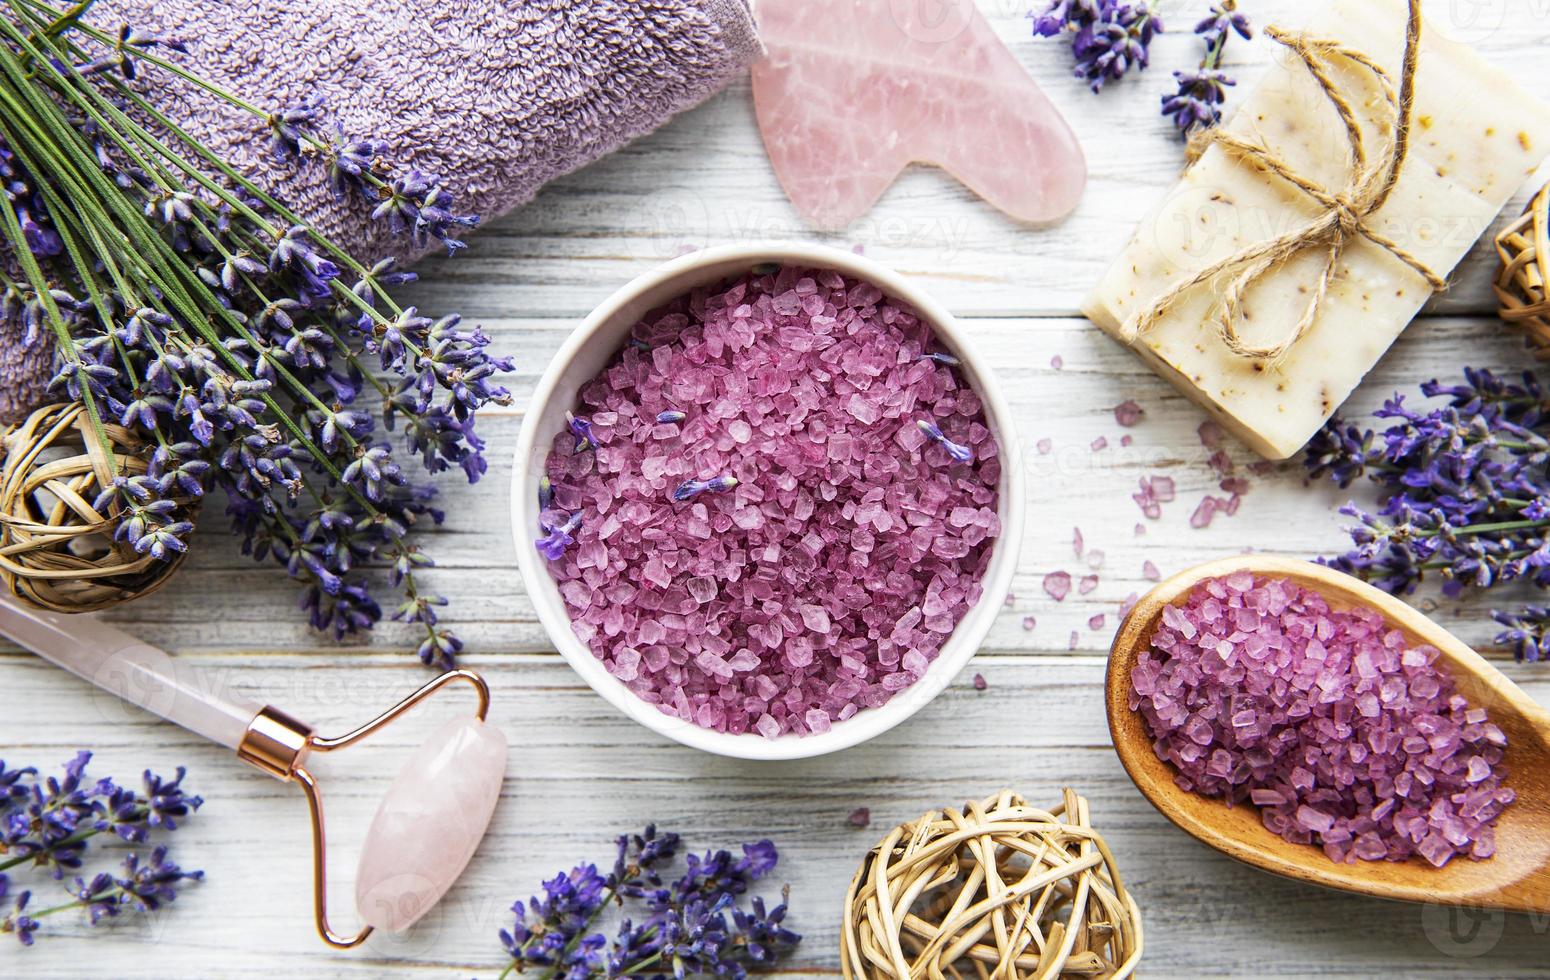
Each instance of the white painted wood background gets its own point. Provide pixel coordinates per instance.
(580, 773)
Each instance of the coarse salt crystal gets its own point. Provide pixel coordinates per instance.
(1128, 413)
(1057, 585)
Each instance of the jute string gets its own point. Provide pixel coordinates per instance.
(1346, 213)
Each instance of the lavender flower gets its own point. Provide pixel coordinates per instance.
(1108, 37)
(582, 430)
(288, 127)
(1525, 632)
(942, 358)
(671, 416)
(557, 537)
(1464, 494)
(48, 824)
(693, 488)
(15, 920)
(418, 205)
(962, 454)
(694, 926)
(1198, 102)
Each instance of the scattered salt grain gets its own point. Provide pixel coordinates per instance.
(1088, 583)
(1057, 362)
(1099, 444)
(1202, 516)
(1211, 434)
(1128, 413)
(1077, 545)
(1076, 640)
(1126, 439)
(761, 608)
(1057, 585)
(1029, 622)
(1340, 732)
(980, 683)
(1044, 446)
(1149, 571)
(1155, 491)
(1096, 622)
(860, 818)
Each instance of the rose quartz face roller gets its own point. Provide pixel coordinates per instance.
(451, 783)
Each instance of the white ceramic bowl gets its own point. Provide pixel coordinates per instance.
(595, 343)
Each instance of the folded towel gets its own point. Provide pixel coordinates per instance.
(496, 97)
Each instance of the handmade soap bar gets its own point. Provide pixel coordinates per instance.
(1475, 136)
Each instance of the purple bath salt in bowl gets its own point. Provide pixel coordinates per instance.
(771, 508)
(1341, 732)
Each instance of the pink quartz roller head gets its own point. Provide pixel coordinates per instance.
(427, 826)
(445, 793)
(430, 823)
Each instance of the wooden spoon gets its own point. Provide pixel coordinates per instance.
(1517, 877)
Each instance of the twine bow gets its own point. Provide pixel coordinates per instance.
(1346, 211)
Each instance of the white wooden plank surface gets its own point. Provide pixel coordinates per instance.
(581, 773)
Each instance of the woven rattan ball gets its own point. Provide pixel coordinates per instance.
(57, 550)
(1521, 286)
(995, 889)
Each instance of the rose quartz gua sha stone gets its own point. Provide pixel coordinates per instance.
(430, 823)
(850, 92)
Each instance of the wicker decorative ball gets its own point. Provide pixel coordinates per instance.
(1522, 284)
(57, 551)
(996, 889)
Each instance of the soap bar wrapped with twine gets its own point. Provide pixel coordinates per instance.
(1308, 232)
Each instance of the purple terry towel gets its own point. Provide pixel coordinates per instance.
(496, 97)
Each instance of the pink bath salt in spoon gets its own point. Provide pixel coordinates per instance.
(850, 92)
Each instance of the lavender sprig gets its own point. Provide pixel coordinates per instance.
(47, 823)
(690, 489)
(1465, 494)
(960, 453)
(1198, 102)
(692, 926)
(582, 429)
(556, 537)
(224, 328)
(1108, 37)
